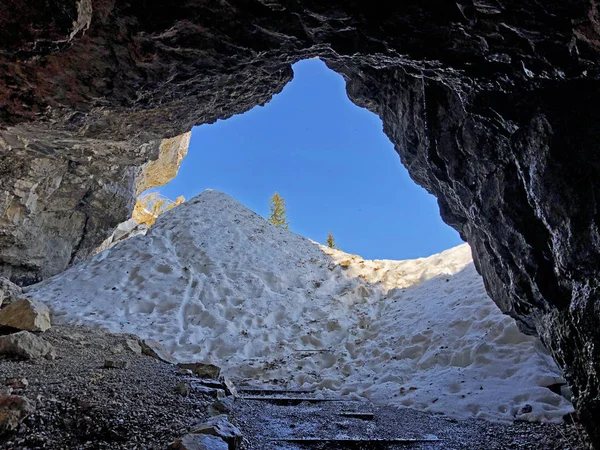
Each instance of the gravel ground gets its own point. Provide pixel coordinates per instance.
(266, 425)
(81, 405)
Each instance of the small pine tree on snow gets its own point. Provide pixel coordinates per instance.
(278, 211)
(331, 241)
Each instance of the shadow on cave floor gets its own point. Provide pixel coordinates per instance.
(269, 424)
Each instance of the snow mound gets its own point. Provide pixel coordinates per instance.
(214, 281)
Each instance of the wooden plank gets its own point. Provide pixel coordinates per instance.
(358, 415)
(210, 383)
(292, 401)
(258, 391)
(355, 444)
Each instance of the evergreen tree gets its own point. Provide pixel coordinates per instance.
(278, 212)
(331, 241)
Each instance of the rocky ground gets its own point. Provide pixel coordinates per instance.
(275, 425)
(140, 402)
(80, 404)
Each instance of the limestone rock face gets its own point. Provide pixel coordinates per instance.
(26, 314)
(56, 207)
(492, 106)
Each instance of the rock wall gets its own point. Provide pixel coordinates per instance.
(492, 106)
(57, 205)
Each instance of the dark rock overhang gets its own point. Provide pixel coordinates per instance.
(491, 105)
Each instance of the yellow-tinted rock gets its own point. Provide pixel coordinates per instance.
(158, 173)
(162, 170)
(151, 205)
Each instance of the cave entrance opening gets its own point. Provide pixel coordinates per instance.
(420, 333)
(215, 284)
(329, 159)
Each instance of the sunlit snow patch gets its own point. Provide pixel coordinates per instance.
(214, 281)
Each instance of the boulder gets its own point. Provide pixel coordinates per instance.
(155, 350)
(133, 345)
(117, 349)
(25, 345)
(215, 393)
(26, 314)
(222, 406)
(223, 383)
(221, 427)
(13, 409)
(199, 442)
(202, 370)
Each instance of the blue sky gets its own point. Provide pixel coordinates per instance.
(330, 161)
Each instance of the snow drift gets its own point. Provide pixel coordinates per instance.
(214, 281)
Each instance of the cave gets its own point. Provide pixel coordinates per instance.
(491, 105)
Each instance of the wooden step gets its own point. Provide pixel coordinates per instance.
(258, 391)
(358, 415)
(355, 444)
(292, 401)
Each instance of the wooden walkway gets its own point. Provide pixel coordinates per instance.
(277, 419)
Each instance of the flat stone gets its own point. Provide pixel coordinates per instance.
(208, 391)
(13, 409)
(211, 383)
(26, 314)
(230, 387)
(155, 349)
(202, 370)
(115, 364)
(221, 427)
(199, 442)
(222, 406)
(25, 345)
